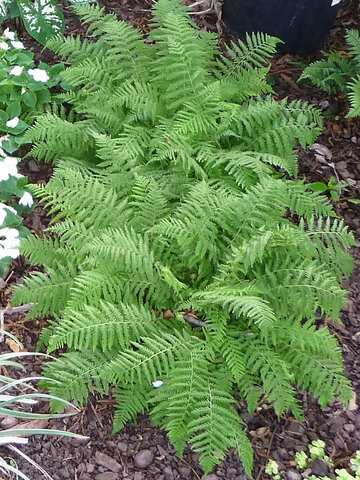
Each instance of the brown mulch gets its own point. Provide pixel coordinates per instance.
(115, 458)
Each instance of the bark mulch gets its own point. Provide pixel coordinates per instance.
(142, 452)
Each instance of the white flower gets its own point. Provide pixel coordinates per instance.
(3, 212)
(8, 167)
(17, 70)
(26, 200)
(9, 34)
(13, 123)
(9, 242)
(4, 46)
(39, 75)
(157, 383)
(18, 45)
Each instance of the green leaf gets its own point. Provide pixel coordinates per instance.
(43, 95)
(42, 19)
(30, 99)
(4, 8)
(14, 110)
(319, 187)
(334, 195)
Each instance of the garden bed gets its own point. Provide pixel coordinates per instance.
(119, 457)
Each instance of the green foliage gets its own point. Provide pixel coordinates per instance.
(303, 461)
(337, 73)
(24, 91)
(42, 18)
(332, 187)
(182, 265)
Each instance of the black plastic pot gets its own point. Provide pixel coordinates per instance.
(302, 24)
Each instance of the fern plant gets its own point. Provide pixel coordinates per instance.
(182, 254)
(337, 73)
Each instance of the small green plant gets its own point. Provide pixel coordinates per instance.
(42, 18)
(317, 451)
(302, 460)
(333, 187)
(13, 189)
(272, 469)
(24, 89)
(184, 266)
(337, 73)
(15, 394)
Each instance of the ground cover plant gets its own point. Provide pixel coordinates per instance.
(24, 91)
(185, 267)
(339, 73)
(317, 454)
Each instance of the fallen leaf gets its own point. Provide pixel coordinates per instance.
(260, 432)
(14, 346)
(39, 423)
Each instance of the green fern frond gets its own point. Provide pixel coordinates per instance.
(354, 96)
(152, 358)
(130, 402)
(76, 374)
(238, 302)
(216, 422)
(105, 328)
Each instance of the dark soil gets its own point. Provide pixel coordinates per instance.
(103, 457)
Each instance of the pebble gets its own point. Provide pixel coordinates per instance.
(138, 476)
(122, 447)
(107, 462)
(9, 422)
(168, 473)
(319, 468)
(349, 427)
(295, 427)
(143, 458)
(107, 476)
(212, 476)
(293, 475)
(185, 471)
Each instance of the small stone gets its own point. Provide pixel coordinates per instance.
(295, 427)
(162, 451)
(293, 475)
(168, 473)
(9, 422)
(212, 476)
(143, 458)
(107, 476)
(122, 447)
(138, 476)
(84, 476)
(90, 467)
(231, 472)
(107, 462)
(349, 427)
(283, 454)
(185, 471)
(319, 468)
